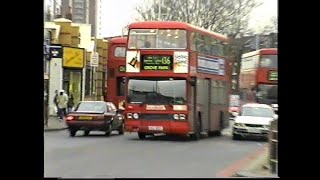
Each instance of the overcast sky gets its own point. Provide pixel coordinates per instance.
(118, 13)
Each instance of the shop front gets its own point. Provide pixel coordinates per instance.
(73, 73)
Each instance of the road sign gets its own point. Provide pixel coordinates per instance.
(56, 51)
(94, 59)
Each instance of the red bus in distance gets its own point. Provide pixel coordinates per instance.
(258, 80)
(116, 72)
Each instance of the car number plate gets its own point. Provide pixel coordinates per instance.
(85, 118)
(253, 130)
(155, 128)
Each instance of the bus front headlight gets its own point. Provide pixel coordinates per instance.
(182, 116)
(129, 115)
(135, 115)
(176, 116)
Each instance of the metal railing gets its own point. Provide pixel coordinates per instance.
(273, 145)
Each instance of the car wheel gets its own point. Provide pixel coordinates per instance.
(72, 132)
(109, 130)
(142, 135)
(236, 136)
(214, 133)
(196, 136)
(108, 133)
(121, 129)
(86, 133)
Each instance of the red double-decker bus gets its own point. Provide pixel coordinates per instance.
(259, 76)
(178, 80)
(116, 68)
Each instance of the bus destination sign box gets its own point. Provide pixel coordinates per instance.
(157, 62)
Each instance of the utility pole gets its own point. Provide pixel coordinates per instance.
(257, 45)
(159, 10)
(94, 63)
(237, 51)
(94, 70)
(188, 19)
(47, 59)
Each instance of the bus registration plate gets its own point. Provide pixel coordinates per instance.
(155, 128)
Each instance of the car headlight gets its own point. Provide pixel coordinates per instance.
(267, 126)
(234, 113)
(135, 115)
(239, 124)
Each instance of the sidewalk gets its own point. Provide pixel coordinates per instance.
(259, 167)
(54, 124)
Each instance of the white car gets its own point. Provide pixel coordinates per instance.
(253, 120)
(275, 107)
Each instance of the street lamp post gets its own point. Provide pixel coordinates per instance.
(46, 62)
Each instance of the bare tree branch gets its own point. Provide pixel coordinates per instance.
(222, 16)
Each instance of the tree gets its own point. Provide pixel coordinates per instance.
(269, 27)
(229, 17)
(47, 15)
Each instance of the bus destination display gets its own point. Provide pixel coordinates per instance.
(157, 62)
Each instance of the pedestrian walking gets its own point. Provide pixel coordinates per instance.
(62, 104)
(55, 102)
(45, 108)
(70, 103)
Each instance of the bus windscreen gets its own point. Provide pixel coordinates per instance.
(157, 91)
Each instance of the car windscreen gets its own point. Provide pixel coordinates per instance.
(257, 112)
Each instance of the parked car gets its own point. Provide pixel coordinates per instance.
(95, 116)
(253, 120)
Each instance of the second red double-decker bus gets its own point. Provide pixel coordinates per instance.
(259, 76)
(178, 80)
(116, 69)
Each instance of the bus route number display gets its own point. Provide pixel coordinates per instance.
(157, 62)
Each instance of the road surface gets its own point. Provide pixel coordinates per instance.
(97, 156)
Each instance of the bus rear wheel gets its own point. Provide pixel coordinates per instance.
(142, 135)
(196, 135)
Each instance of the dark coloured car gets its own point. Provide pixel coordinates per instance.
(95, 116)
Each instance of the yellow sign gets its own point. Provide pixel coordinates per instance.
(73, 57)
